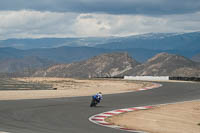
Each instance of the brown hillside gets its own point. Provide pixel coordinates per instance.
(106, 65)
(165, 64)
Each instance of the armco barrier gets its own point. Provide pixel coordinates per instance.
(161, 78)
(185, 78)
(148, 78)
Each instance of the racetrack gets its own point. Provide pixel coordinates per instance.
(70, 115)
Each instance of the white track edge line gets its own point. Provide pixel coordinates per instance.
(140, 108)
(155, 85)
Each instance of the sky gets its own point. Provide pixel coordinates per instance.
(96, 18)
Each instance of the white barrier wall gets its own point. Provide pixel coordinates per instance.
(148, 78)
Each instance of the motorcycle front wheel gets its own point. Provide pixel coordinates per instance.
(93, 103)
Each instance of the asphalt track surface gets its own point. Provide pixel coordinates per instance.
(70, 115)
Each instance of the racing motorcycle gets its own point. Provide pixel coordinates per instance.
(95, 100)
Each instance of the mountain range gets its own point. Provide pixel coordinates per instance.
(121, 64)
(157, 41)
(30, 55)
(153, 41)
(67, 50)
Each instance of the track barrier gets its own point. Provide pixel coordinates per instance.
(161, 78)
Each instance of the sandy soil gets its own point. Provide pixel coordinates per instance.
(174, 118)
(72, 87)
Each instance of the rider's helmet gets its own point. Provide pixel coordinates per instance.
(99, 95)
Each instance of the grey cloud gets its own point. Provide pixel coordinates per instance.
(17, 24)
(22, 24)
(87, 17)
(145, 7)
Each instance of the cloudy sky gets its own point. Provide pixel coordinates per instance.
(83, 18)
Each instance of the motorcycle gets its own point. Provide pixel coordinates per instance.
(94, 101)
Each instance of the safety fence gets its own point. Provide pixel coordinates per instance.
(147, 78)
(185, 78)
(161, 78)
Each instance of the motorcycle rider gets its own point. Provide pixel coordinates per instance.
(98, 97)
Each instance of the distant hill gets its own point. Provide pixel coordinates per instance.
(106, 65)
(165, 64)
(157, 41)
(60, 54)
(7, 52)
(153, 41)
(196, 58)
(67, 54)
(26, 64)
(34, 43)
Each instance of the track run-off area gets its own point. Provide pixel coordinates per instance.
(70, 115)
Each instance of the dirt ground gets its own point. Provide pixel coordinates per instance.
(72, 87)
(173, 118)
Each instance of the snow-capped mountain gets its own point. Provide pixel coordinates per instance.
(155, 41)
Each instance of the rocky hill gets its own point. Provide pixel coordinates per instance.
(105, 65)
(165, 64)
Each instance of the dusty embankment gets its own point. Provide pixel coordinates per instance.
(173, 118)
(72, 87)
